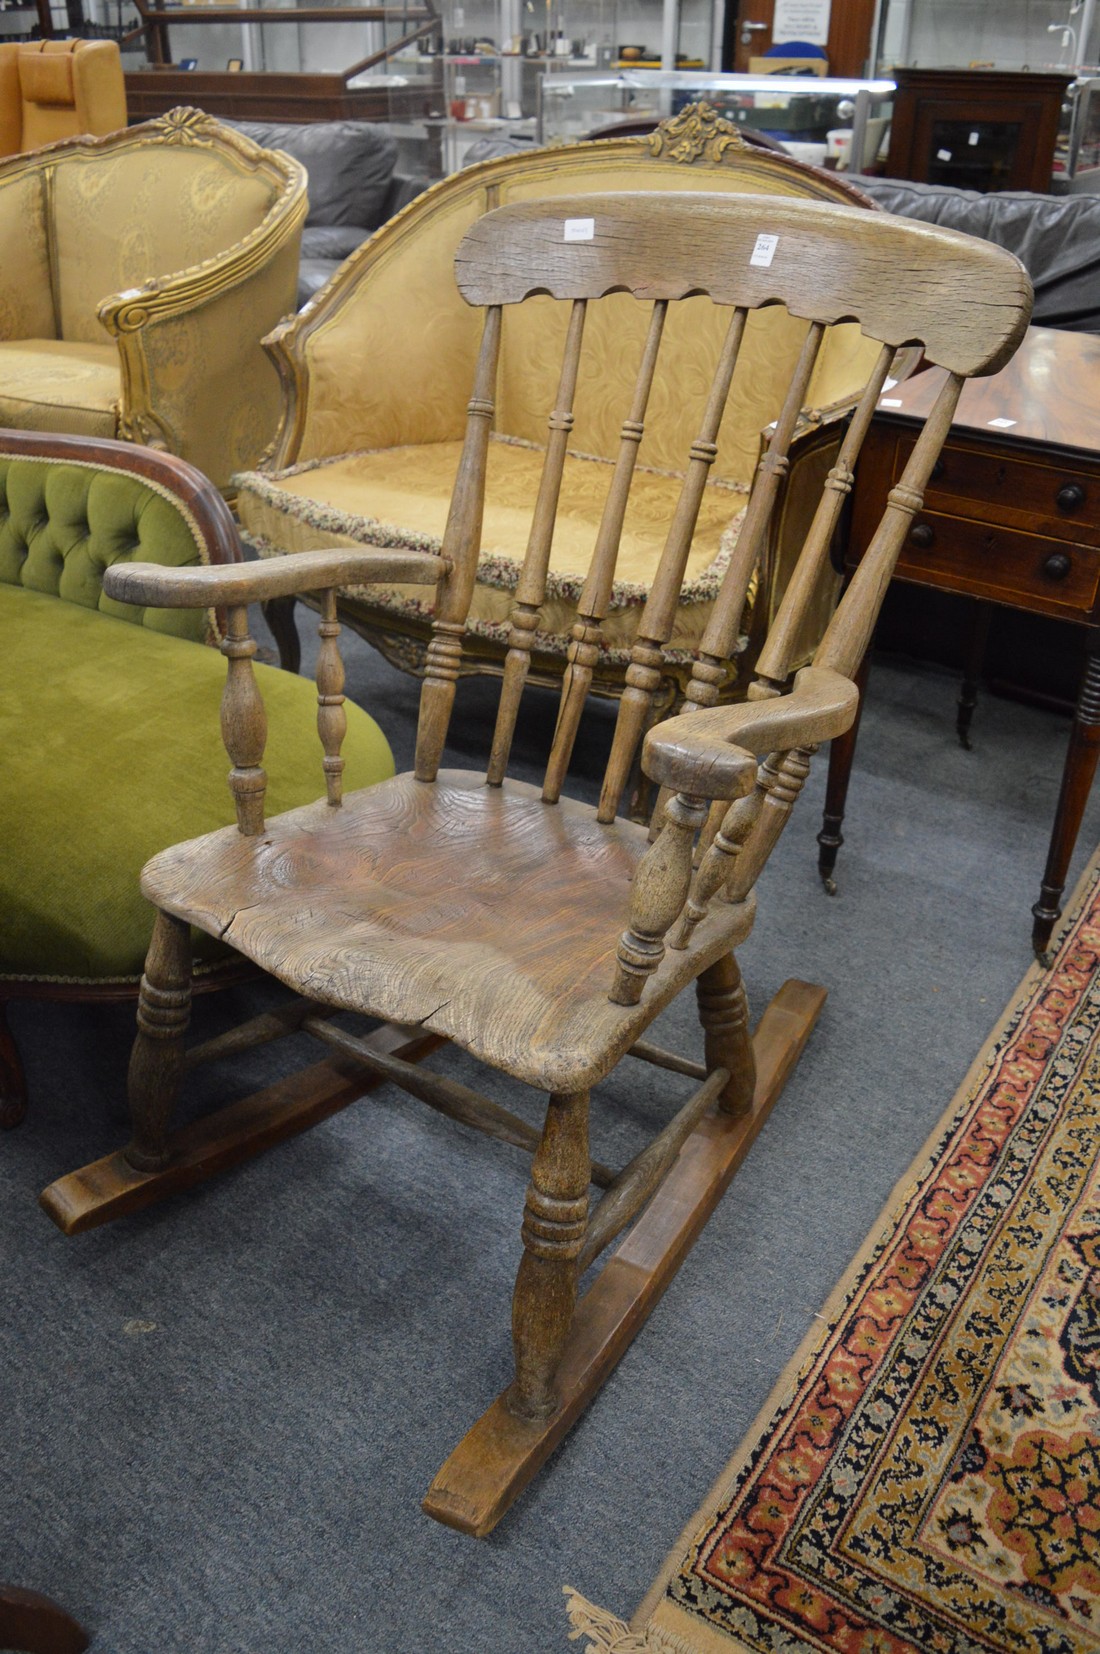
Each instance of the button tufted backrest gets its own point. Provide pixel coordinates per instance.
(62, 524)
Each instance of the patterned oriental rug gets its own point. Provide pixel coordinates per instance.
(926, 1476)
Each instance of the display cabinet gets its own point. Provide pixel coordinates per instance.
(1077, 150)
(1035, 35)
(799, 111)
(976, 129)
(495, 54)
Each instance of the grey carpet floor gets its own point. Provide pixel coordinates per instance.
(219, 1417)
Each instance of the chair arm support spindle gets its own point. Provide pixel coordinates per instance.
(244, 725)
(661, 886)
(332, 720)
(717, 866)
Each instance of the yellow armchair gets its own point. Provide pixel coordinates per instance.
(96, 343)
(52, 89)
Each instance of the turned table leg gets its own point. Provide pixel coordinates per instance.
(1077, 778)
(842, 751)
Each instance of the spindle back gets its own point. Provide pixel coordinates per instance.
(962, 302)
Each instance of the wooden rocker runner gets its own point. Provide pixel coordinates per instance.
(540, 934)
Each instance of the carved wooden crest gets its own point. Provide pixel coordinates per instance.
(185, 126)
(698, 132)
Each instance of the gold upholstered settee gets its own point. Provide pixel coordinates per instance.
(138, 273)
(51, 89)
(375, 371)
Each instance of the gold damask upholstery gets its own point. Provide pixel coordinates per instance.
(95, 342)
(54, 386)
(376, 372)
(53, 89)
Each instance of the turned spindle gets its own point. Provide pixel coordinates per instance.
(244, 724)
(661, 886)
(332, 720)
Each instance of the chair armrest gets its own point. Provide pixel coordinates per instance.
(233, 584)
(222, 412)
(713, 752)
(183, 290)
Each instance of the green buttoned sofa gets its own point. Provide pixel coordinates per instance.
(109, 740)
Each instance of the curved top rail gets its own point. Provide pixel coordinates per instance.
(965, 301)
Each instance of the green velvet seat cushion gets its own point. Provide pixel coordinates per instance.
(55, 385)
(111, 749)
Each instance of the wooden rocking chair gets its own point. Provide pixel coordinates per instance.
(541, 934)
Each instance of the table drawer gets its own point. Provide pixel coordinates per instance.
(959, 554)
(1040, 495)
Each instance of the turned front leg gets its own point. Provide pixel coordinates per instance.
(554, 1221)
(156, 1062)
(724, 1014)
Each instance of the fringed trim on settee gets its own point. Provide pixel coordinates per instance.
(500, 572)
(403, 606)
(609, 1635)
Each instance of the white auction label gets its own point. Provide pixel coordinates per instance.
(764, 251)
(889, 401)
(974, 138)
(1002, 424)
(579, 229)
(943, 155)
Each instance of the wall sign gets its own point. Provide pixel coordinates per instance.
(801, 20)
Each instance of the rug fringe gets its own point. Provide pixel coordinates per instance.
(613, 1636)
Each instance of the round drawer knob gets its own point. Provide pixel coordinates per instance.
(1071, 497)
(922, 534)
(1057, 566)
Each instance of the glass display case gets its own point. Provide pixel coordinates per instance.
(1077, 151)
(1037, 35)
(816, 118)
(492, 56)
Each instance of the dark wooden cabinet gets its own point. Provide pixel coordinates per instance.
(1011, 515)
(976, 129)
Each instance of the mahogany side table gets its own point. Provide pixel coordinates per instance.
(1011, 515)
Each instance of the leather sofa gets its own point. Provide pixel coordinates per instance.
(138, 275)
(354, 187)
(1055, 237)
(51, 89)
